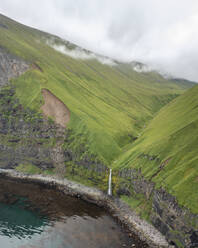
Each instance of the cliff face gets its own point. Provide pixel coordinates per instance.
(27, 138)
(10, 67)
(13, 128)
(178, 224)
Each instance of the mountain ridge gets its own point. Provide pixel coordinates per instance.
(101, 98)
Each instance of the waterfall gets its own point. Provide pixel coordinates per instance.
(109, 188)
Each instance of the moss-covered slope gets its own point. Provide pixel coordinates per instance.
(109, 105)
(167, 151)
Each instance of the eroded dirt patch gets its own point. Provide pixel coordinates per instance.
(55, 108)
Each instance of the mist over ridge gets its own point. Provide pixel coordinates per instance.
(160, 34)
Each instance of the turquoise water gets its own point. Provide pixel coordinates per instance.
(18, 225)
(35, 217)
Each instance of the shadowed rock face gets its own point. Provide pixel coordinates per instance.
(10, 67)
(178, 224)
(55, 108)
(27, 138)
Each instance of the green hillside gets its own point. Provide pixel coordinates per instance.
(167, 151)
(109, 105)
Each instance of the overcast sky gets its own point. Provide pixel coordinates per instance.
(162, 33)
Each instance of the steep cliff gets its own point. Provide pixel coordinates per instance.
(10, 66)
(157, 206)
(31, 142)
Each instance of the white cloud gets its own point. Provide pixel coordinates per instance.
(160, 33)
(79, 53)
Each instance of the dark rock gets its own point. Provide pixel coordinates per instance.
(10, 65)
(160, 225)
(123, 191)
(194, 239)
(178, 224)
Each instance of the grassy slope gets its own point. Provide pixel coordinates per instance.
(106, 103)
(172, 137)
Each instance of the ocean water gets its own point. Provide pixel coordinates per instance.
(32, 216)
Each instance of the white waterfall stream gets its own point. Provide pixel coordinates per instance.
(109, 188)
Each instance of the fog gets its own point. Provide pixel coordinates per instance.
(79, 53)
(162, 34)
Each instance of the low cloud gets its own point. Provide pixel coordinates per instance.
(162, 34)
(79, 53)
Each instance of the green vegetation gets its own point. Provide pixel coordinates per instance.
(88, 177)
(109, 105)
(141, 205)
(33, 169)
(166, 152)
(28, 168)
(117, 115)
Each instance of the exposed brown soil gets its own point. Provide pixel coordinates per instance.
(55, 108)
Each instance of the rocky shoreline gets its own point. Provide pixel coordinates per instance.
(118, 209)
